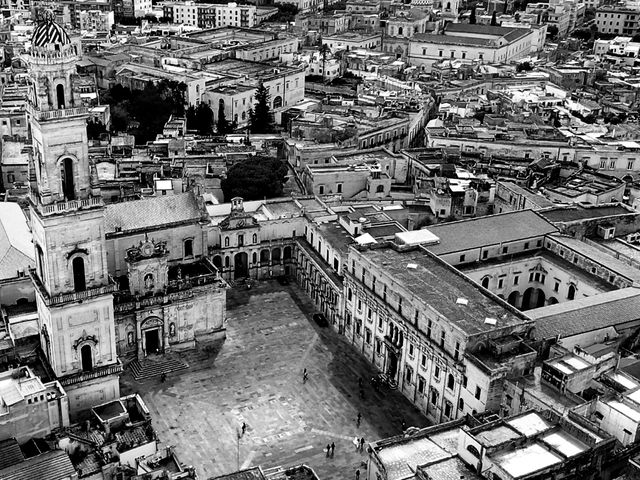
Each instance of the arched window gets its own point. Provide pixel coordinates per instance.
(461, 404)
(350, 297)
(399, 30)
(277, 102)
(254, 258)
(472, 449)
(66, 175)
(264, 256)
(244, 116)
(485, 282)
(380, 189)
(188, 248)
(450, 382)
(60, 95)
(221, 104)
(255, 238)
(287, 253)
(86, 357)
(226, 261)
(217, 261)
(571, 294)
(226, 241)
(275, 255)
(79, 281)
(149, 283)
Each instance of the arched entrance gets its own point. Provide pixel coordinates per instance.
(513, 298)
(392, 364)
(152, 334)
(533, 298)
(86, 358)
(79, 282)
(241, 265)
(66, 173)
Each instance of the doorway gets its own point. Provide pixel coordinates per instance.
(241, 265)
(152, 340)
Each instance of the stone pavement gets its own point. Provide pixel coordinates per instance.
(255, 376)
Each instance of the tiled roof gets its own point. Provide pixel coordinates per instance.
(10, 453)
(152, 212)
(491, 230)
(610, 309)
(16, 249)
(54, 465)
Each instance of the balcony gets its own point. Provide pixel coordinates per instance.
(62, 298)
(70, 206)
(56, 114)
(103, 371)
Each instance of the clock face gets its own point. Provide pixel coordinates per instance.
(240, 223)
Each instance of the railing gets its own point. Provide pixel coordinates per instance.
(70, 206)
(56, 114)
(115, 369)
(52, 300)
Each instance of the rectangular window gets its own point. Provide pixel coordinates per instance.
(630, 163)
(408, 374)
(378, 347)
(442, 337)
(461, 258)
(526, 245)
(429, 325)
(456, 352)
(464, 381)
(367, 336)
(380, 323)
(612, 164)
(421, 384)
(433, 396)
(485, 254)
(505, 249)
(478, 392)
(436, 372)
(423, 360)
(448, 409)
(339, 188)
(603, 163)
(516, 280)
(500, 282)
(359, 305)
(556, 286)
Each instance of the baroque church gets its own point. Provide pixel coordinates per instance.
(113, 282)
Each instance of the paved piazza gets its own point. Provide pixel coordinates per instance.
(255, 376)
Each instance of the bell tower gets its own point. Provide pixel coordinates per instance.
(74, 292)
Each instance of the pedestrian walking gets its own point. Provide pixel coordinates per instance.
(362, 444)
(360, 382)
(244, 428)
(305, 376)
(333, 448)
(163, 377)
(404, 425)
(358, 474)
(328, 449)
(359, 419)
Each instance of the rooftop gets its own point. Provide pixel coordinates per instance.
(610, 309)
(151, 213)
(16, 248)
(578, 212)
(439, 285)
(491, 230)
(53, 465)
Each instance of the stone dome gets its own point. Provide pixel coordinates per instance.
(49, 33)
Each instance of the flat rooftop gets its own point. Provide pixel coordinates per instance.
(401, 459)
(577, 213)
(490, 230)
(438, 284)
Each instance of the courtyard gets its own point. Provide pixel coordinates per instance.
(255, 376)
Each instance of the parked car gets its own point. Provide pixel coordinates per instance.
(320, 319)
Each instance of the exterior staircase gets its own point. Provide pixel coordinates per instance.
(155, 365)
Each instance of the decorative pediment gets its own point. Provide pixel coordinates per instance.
(85, 339)
(152, 322)
(77, 250)
(237, 220)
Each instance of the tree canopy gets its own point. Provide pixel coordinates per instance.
(286, 13)
(200, 118)
(150, 108)
(255, 178)
(260, 116)
(223, 127)
(472, 17)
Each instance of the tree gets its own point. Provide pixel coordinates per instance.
(260, 117)
(472, 17)
(494, 20)
(223, 126)
(324, 51)
(95, 129)
(255, 178)
(524, 67)
(200, 118)
(286, 13)
(552, 31)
